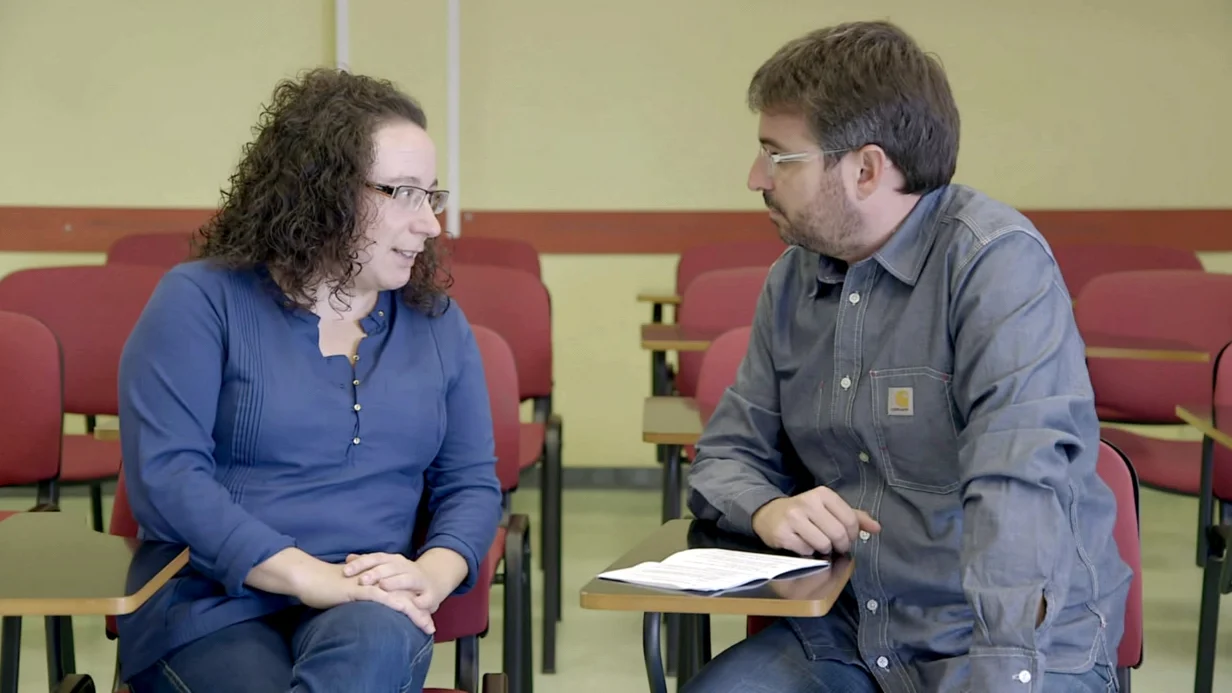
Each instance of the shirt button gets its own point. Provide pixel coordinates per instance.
(854, 298)
(845, 382)
(1024, 676)
(357, 407)
(864, 535)
(355, 441)
(380, 313)
(864, 457)
(872, 605)
(354, 382)
(883, 662)
(355, 358)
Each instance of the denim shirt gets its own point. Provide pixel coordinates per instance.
(941, 386)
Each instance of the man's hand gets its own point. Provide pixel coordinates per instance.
(816, 521)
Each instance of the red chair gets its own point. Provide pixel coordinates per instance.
(31, 416)
(91, 310)
(701, 259)
(1214, 524)
(717, 373)
(1180, 305)
(715, 302)
(165, 250)
(1118, 473)
(31, 421)
(494, 252)
(1080, 263)
(516, 306)
(462, 619)
(512, 542)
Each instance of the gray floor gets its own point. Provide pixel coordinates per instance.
(601, 651)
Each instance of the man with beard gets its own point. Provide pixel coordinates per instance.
(914, 394)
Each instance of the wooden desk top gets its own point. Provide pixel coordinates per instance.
(660, 337)
(1102, 346)
(1205, 418)
(54, 564)
(671, 421)
(669, 298)
(810, 595)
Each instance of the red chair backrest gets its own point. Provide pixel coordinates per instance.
(32, 408)
(1118, 473)
(716, 301)
(700, 259)
(164, 250)
(516, 306)
(494, 252)
(501, 373)
(91, 310)
(1080, 263)
(719, 366)
(1178, 305)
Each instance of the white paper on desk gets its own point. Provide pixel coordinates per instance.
(712, 570)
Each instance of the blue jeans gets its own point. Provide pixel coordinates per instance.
(360, 647)
(774, 661)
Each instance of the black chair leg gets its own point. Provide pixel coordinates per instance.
(96, 505)
(61, 659)
(466, 664)
(551, 546)
(517, 665)
(1208, 621)
(10, 653)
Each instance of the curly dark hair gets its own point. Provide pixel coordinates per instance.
(294, 206)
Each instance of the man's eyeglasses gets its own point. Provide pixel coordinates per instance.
(413, 196)
(771, 161)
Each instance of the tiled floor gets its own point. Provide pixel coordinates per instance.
(601, 651)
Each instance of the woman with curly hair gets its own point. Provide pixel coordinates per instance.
(287, 398)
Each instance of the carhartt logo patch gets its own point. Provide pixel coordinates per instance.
(901, 402)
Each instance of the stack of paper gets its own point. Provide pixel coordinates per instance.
(712, 570)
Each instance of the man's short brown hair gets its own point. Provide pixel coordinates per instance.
(867, 83)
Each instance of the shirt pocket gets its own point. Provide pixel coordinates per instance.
(913, 416)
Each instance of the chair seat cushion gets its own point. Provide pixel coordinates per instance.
(85, 459)
(1167, 465)
(531, 444)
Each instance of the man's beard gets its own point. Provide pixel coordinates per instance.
(829, 225)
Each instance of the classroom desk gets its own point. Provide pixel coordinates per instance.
(660, 339)
(77, 572)
(1215, 425)
(671, 423)
(658, 299)
(807, 596)
(1103, 346)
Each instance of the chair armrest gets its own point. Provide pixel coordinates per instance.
(495, 683)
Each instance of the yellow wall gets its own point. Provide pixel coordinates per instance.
(597, 105)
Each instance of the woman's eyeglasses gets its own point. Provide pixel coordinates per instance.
(413, 196)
